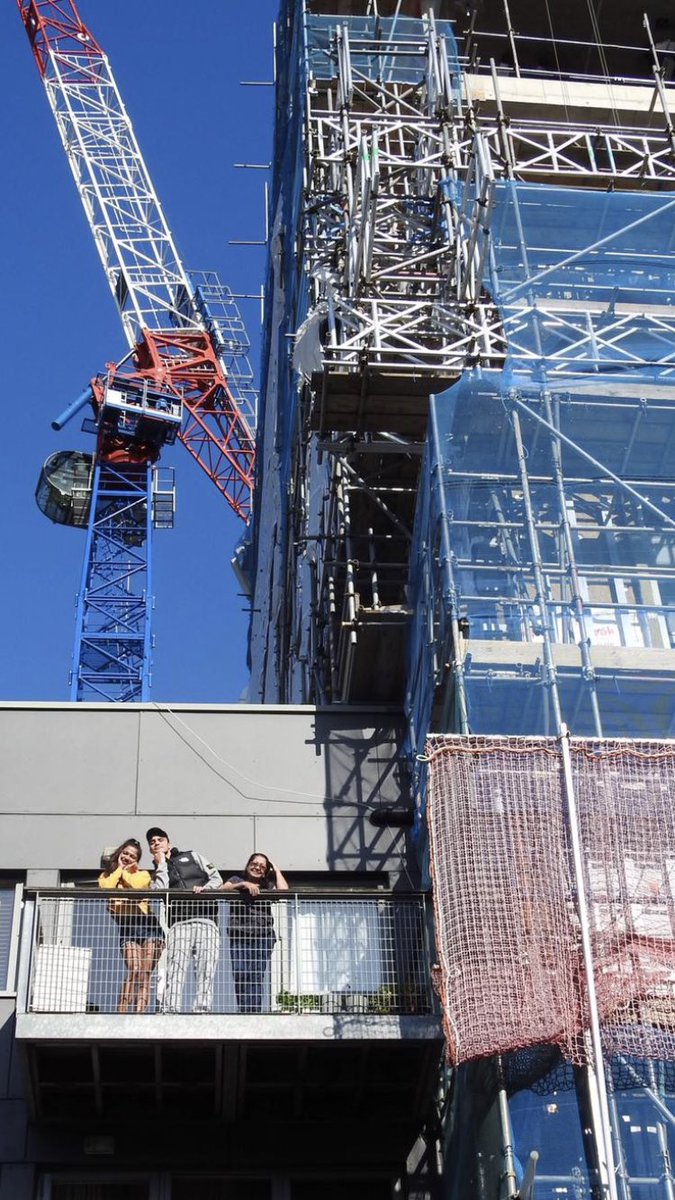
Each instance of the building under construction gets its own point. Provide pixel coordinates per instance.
(465, 510)
(462, 585)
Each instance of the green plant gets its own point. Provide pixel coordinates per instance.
(292, 1002)
(382, 1001)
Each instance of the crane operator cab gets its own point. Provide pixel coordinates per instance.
(134, 419)
(134, 411)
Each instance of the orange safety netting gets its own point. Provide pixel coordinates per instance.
(508, 930)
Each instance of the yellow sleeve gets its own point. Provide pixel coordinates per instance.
(110, 881)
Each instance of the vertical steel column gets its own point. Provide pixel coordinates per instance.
(449, 585)
(508, 1182)
(84, 575)
(602, 1126)
(550, 681)
(577, 602)
(297, 949)
(622, 1178)
(658, 80)
(512, 39)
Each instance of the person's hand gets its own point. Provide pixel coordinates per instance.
(198, 888)
(251, 888)
(159, 857)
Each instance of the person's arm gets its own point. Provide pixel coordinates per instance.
(111, 880)
(160, 880)
(215, 880)
(236, 884)
(280, 883)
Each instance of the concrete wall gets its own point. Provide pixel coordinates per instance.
(297, 783)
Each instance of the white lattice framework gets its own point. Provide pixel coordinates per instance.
(146, 276)
(573, 152)
(393, 254)
(131, 235)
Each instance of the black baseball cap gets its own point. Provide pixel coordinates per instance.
(155, 831)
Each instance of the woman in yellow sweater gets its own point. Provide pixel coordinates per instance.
(141, 936)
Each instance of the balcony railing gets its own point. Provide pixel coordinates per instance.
(211, 953)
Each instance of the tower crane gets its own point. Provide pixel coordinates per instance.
(185, 376)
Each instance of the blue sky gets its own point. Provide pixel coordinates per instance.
(178, 68)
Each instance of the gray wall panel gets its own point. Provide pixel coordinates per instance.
(77, 843)
(297, 782)
(52, 762)
(209, 761)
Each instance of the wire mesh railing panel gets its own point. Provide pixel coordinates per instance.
(215, 955)
(511, 909)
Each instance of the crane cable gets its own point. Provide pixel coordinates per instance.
(557, 62)
(590, 4)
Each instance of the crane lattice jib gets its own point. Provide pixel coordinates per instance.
(152, 291)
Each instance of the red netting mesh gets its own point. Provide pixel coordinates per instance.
(506, 904)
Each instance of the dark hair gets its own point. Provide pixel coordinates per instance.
(113, 861)
(258, 854)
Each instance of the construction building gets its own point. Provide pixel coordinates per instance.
(462, 591)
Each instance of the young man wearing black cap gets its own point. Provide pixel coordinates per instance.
(193, 932)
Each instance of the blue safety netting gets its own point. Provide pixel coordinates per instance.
(390, 49)
(542, 575)
(286, 307)
(585, 280)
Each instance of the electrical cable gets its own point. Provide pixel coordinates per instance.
(603, 59)
(312, 798)
(557, 61)
(316, 797)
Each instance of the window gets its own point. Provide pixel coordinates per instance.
(8, 929)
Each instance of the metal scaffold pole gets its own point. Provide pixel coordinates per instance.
(602, 1126)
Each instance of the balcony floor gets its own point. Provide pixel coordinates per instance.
(78, 1028)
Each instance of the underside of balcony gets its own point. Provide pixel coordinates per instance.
(309, 1094)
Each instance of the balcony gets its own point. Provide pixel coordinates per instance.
(341, 1013)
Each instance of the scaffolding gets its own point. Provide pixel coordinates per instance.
(388, 304)
(466, 489)
(543, 566)
(423, 188)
